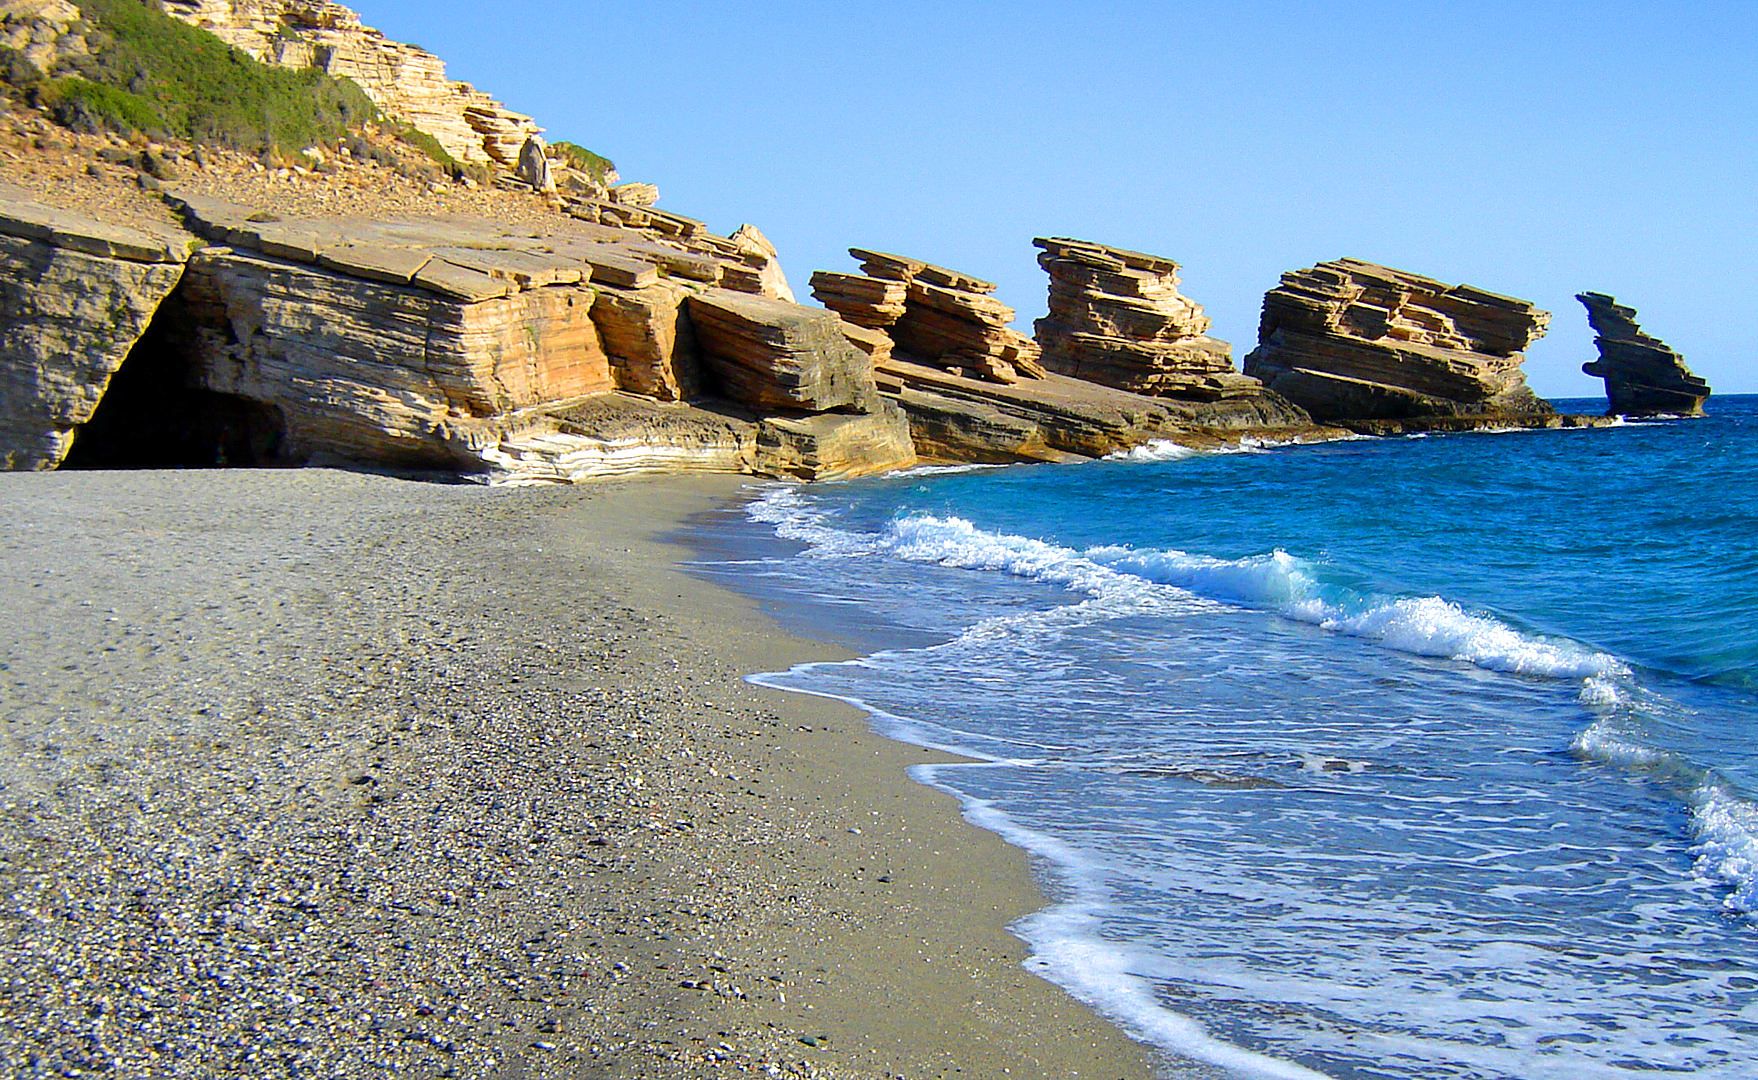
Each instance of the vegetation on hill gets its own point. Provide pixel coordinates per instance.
(144, 72)
(597, 166)
(148, 72)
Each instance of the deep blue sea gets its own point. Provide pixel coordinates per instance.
(1406, 757)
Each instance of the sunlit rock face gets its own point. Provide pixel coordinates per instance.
(1643, 375)
(407, 83)
(1350, 340)
(76, 296)
(1117, 318)
(932, 315)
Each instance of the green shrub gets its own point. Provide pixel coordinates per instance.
(92, 107)
(16, 71)
(202, 89)
(428, 145)
(595, 165)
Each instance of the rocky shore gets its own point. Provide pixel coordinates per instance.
(312, 773)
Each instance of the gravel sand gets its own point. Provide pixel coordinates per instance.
(313, 773)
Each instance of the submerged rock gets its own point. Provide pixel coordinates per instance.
(1353, 341)
(1643, 375)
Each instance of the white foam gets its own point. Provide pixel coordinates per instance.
(1601, 741)
(1068, 949)
(1158, 450)
(1727, 843)
(1431, 626)
(942, 470)
(1603, 691)
(1277, 581)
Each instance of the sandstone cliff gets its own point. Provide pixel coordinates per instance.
(557, 352)
(76, 295)
(1643, 376)
(933, 315)
(1352, 341)
(406, 83)
(1117, 318)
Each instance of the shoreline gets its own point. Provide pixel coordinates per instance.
(249, 703)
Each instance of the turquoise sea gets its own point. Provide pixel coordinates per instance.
(1406, 757)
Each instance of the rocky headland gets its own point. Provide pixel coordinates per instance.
(1643, 375)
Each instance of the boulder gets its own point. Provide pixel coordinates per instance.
(1350, 340)
(1643, 376)
(1117, 318)
(770, 354)
(761, 254)
(76, 296)
(533, 167)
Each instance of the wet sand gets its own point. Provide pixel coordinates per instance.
(312, 773)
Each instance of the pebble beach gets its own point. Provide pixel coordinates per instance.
(318, 773)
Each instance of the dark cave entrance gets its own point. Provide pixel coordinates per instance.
(155, 416)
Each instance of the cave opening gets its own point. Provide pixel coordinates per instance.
(156, 415)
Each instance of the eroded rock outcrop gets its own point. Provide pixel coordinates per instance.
(770, 354)
(1643, 375)
(957, 418)
(1352, 341)
(936, 316)
(450, 343)
(405, 82)
(76, 295)
(1117, 318)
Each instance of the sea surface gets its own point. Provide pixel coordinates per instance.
(1406, 757)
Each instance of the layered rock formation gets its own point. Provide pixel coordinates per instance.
(934, 315)
(1117, 318)
(406, 83)
(443, 342)
(1643, 376)
(770, 354)
(957, 418)
(76, 295)
(560, 352)
(1351, 341)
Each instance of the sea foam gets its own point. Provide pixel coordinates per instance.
(1275, 581)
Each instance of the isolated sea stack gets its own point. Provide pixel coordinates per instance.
(1117, 318)
(1643, 376)
(1350, 341)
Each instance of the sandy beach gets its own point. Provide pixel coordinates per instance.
(314, 773)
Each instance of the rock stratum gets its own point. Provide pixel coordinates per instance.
(932, 315)
(1643, 375)
(1361, 344)
(76, 295)
(522, 354)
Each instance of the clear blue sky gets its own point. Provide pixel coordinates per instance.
(1534, 148)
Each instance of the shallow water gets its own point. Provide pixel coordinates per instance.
(1383, 758)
